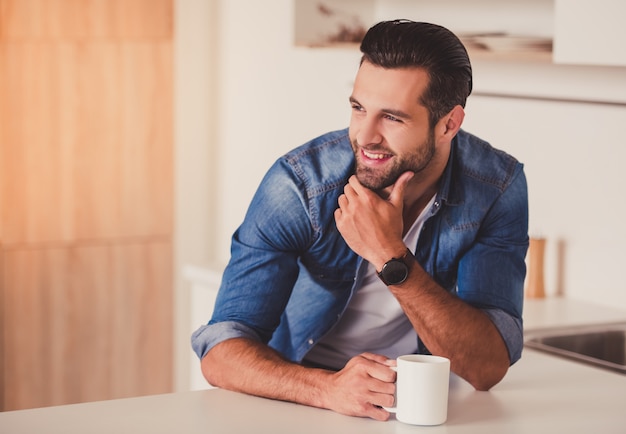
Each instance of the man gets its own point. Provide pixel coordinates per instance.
(322, 293)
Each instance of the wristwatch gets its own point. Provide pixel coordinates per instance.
(396, 270)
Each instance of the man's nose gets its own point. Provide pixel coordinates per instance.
(368, 132)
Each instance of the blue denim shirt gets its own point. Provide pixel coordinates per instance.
(291, 274)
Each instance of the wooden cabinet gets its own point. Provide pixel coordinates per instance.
(86, 186)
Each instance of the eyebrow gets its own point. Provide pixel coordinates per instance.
(393, 112)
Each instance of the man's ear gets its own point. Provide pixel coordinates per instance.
(450, 124)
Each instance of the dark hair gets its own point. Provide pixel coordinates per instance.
(410, 44)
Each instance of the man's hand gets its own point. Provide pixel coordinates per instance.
(363, 386)
(371, 225)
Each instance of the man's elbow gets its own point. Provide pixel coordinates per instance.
(210, 373)
(488, 378)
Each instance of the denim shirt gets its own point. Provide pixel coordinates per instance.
(291, 274)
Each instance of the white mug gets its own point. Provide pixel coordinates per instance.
(422, 389)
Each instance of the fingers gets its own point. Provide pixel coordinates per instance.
(380, 369)
(365, 385)
(342, 201)
(378, 413)
(354, 189)
(378, 358)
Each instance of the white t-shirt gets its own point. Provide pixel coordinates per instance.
(373, 320)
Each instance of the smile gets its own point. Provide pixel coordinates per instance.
(375, 156)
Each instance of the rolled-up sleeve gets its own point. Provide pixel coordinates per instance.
(207, 336)
(510, 329)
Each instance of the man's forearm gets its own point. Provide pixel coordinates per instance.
(452, 328)
(248, 366)
(361, 388)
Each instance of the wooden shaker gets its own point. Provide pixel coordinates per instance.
(535, 287)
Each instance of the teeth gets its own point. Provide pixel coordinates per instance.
(373, 156)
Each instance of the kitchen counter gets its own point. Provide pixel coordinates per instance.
(559, 312)
(541, 393)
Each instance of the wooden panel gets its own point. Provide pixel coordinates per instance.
(124, 145)
(37, 141)
(86, 19)
(88, 141)
(2, 328)
(30, 281)
(3, 117)
(2, 291)
(87, 323)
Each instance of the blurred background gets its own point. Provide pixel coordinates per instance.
(133, 134)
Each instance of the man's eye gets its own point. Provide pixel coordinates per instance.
(393, 118)
(357, 107)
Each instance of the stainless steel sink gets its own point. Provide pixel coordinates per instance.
(599, 345)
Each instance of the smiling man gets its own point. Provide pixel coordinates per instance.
(402, 234)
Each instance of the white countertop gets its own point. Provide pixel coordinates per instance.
(540, 393)
(559, 312)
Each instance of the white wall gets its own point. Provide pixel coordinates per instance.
(194, 135)
(270, 96)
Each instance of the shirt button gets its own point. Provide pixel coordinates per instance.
(311, 341)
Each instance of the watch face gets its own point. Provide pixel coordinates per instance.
(394, 272)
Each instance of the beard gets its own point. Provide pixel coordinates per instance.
(379, 179)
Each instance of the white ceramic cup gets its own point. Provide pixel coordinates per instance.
(422, 389)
